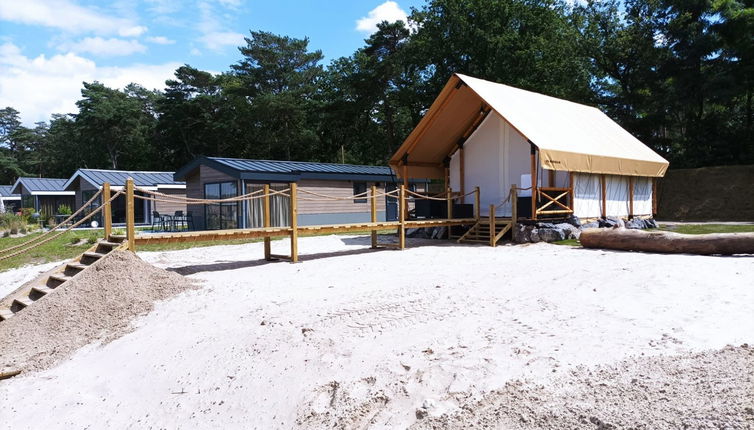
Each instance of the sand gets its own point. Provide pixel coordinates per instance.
(355, 338)
(97, 305)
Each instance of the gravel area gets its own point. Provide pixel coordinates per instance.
(97, 305)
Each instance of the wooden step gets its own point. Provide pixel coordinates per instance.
(39, 291)
(20, 303)
(95, 255)
(108, 243)
(60, 277)
(76, 266)
(5, 314)
(119, 238)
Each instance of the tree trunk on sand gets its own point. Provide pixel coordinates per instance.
(668, 242)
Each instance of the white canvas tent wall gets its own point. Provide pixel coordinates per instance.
(495, 124)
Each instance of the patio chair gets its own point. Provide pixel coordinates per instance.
(178, 218)
(189, 220)
(158, 219)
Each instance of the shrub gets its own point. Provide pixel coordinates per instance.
(6, 233)
(74, 240)
(92, 239)
(64, 210)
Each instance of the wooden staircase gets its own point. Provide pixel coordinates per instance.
(47, 283)
(486, 231)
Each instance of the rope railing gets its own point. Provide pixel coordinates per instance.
(324, 197)
(175, 198)
(71, 227)
(53, 229)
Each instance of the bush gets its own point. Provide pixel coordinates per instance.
(64, 210)
(74, 240)
(92, 239)
(6, 233)
(12, 222)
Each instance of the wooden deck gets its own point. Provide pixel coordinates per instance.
(303, 230)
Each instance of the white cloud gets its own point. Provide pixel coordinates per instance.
(99, 46)
(388, 11)
(160, 40)
(134, 31)
(67, 16)
(40, 86)
(218, 40)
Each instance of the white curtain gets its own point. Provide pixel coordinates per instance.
(642, 196)
(280, 207)
(587, 192)
(617, 202)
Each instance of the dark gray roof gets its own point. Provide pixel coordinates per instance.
(288, 170)
(5, 191)
(300, 166)
(98, 177)
(40, 184)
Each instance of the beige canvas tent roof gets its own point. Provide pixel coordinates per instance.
(570, 136)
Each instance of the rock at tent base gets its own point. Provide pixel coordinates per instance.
(551, 234)
(574, 221)
(534, 235)
(519, 234)
(593, 224)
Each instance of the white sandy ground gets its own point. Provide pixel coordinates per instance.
(14, 278)
(277, 345)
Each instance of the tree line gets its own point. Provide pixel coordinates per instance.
(678, 74)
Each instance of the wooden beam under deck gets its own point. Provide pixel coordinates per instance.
(306, 230)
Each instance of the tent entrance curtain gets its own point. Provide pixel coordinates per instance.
(280, 207)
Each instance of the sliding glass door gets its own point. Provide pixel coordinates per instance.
(221, 216)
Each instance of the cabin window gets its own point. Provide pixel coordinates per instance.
(27, 201)
(359, 188)
(221, 215)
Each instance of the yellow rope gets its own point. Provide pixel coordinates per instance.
(48, 232)
(175, 198)
(81, 221)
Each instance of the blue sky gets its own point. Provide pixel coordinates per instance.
(48, 47)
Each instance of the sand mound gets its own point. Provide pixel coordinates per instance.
(705, 390)
(99, 304)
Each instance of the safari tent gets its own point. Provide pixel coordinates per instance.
(485, 134)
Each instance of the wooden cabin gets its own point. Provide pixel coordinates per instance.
(44, 195)
(84, 183)
(566, 158)
(10, 202)
(221, 178)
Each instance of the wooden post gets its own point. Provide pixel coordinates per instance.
(654, 196)
(294, 224)
(450, 203)
(130, 228)
(604, 196)
(630, 196)
(402, 218)
(374, 215)
(533, 182)
(446, 179)
(405, 186)
(267, 223)
(462, 175)
(107, 215)
(492, 225)
(514, 204)
(477, 207)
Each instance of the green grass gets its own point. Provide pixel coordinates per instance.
(708, 228)
(568, 242)
(60, 248)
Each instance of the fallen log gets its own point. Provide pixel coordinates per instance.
(668, 242)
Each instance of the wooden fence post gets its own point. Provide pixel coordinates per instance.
(294, 224)
(107, 215)
(630, 197)
(402, 218)
(267, 223)
(492, 225)
(450, 203)
(514, 204)
(477, 207)
(130, 227)
(374, 215)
